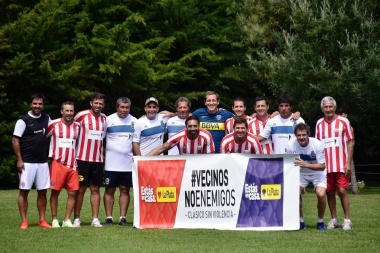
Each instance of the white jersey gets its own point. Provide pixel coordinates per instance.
(313, 153)
(120, 134)
(152, 133)
(281, 130)
(173, 126)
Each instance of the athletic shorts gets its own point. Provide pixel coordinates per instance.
(37, 173)
(337, 180)
(90, 173)
(113, 179)
(317, 179)
(62, 176)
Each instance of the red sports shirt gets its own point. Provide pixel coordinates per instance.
(63, 142)
(250, 146)
(203, 144)
(255, 127)
(90, 141)
(334, 136)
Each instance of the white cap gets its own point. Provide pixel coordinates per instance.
(151, 99)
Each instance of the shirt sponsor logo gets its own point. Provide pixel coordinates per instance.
(212, 126)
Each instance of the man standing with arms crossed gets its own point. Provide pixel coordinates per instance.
(29, 146)
(191, 140)
(240, 141)
(63, 173)
(90, 156)
(213, 119)
(123, 135)
(312, 163)
(336, 134)
(177, 123)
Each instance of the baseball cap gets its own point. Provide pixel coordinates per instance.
(151, 99)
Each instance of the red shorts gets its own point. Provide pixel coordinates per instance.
(337, 180)
(63, 177)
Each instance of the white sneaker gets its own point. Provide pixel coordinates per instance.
(55, 224)
(76, 223)
(347, 225)
(96, 223)
(333, 223)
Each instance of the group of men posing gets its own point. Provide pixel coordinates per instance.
(76, 149)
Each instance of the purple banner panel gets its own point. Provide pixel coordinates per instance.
(262, 198)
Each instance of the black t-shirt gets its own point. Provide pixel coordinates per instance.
(33, 141)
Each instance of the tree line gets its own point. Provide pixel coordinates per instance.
(67, 49)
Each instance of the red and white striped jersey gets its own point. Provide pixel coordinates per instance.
(63, 142)
(250, 146)
(229, 124)
(334, 136)
(203, 144)
(92, 133)
(255, 127)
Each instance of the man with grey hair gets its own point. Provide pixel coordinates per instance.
(336, 134)
(177, 123)
(122, 137)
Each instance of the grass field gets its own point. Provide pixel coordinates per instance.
(365, 237)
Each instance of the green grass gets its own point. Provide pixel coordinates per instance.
(365, 237)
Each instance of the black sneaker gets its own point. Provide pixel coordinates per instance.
(109, 222)
(123, 222)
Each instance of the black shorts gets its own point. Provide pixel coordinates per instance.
(113, 179)
(90, 173)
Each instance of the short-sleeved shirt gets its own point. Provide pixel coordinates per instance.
(203, 144)
(250, 146)
(120, 134)
(255, 126)
(63, 142)
(174, 125)
(152, 133)
(214, 123)
(313, 153)
(334, 136)
(31, 131)
(281, 130)
(230, 123)
(92, 133)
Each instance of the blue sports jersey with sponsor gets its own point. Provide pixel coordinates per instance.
(214, 123)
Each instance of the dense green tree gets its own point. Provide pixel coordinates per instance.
(311, 49)
(69, 49)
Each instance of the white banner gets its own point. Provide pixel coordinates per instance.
(216, 191)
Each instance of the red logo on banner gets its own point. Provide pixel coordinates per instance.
(162, 174)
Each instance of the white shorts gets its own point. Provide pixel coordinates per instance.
(317, 179)
(37, 173)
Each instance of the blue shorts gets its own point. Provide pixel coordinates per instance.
(113, 179)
